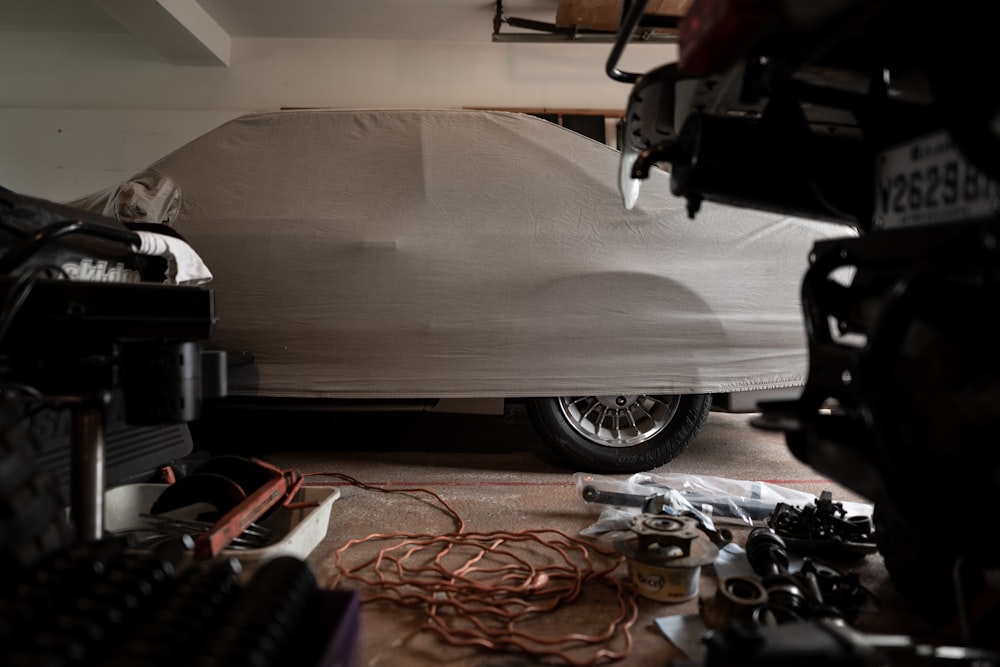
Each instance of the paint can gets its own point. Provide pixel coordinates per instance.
(666, 556)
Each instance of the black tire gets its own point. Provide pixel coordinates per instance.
(618, 434)
(33, 521)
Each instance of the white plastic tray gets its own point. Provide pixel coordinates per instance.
(297, 531)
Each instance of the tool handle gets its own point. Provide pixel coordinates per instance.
(592, 494)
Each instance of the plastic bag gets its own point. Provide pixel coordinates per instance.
(724, 500)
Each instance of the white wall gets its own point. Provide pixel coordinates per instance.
(79, 112)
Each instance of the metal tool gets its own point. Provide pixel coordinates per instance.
(753, 508)
(242, 490)
(660, 504)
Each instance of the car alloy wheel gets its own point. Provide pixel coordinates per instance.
(619, 420)
(618, 433)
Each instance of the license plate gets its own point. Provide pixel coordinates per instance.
(928, 181)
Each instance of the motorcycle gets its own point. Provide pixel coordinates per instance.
(879, 115)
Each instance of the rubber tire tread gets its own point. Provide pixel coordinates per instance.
(581, 454)
(33, 521)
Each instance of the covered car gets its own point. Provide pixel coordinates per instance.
(392, 257)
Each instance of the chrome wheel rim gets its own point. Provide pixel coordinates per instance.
(619, 420)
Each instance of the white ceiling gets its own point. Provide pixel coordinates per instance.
(445, 20)
(201, 31)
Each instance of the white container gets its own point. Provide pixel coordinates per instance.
(297, 531)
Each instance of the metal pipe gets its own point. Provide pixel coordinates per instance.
(583, 38)
(88, 468)
(625, 31)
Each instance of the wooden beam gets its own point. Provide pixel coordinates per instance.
(607, 113)
(180, 30)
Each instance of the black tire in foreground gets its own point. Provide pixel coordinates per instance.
(619, 433)
(33, 521)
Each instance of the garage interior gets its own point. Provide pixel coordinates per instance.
(410, 536)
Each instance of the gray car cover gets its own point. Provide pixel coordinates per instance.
(455, 253)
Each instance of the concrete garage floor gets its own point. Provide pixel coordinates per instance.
(498, 476)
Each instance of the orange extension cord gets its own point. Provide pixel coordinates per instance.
(483, 589)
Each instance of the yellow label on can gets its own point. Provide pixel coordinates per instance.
(666, 584)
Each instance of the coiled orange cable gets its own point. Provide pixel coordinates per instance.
(489, 589)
